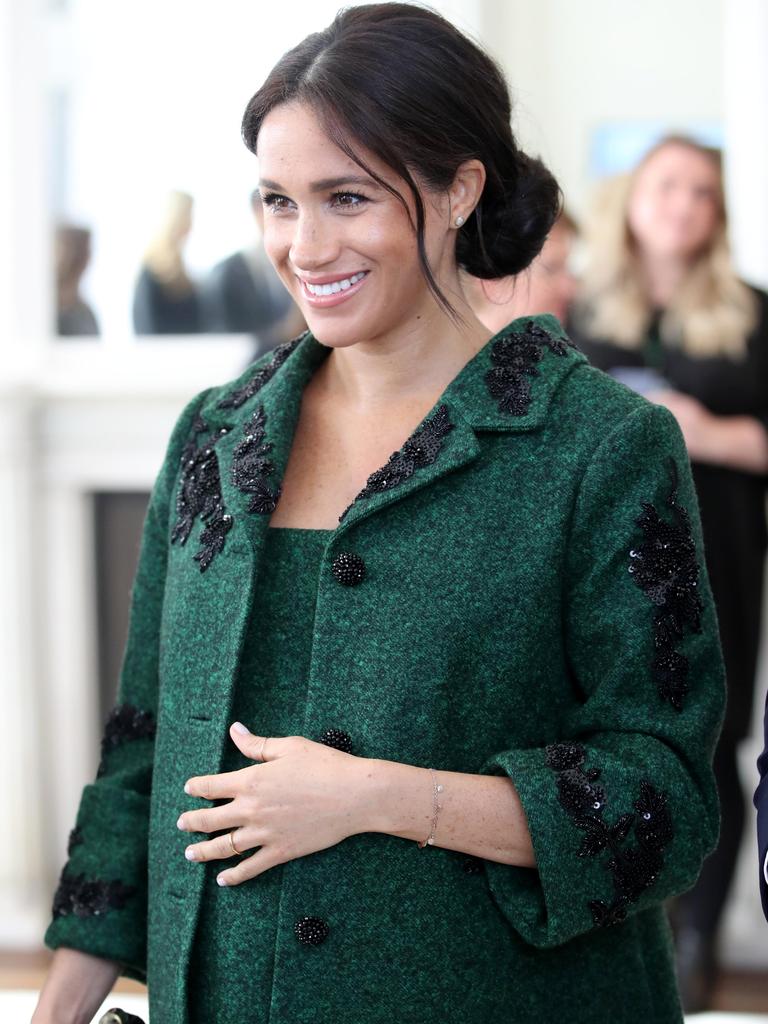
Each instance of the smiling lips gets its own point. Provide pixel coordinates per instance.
(333, 291)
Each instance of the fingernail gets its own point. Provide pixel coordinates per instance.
(221, 880)
(186, 787)
(180, 823)
(239, 727)
(190, 854)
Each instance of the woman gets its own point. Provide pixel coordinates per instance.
(166, 300)
(466, 780)
(662, 308)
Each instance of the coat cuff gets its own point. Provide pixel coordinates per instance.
(100, 904)
(603, 837)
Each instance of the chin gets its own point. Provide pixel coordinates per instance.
(343, 329)
(332, 333)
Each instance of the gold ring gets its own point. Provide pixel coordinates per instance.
(261, 752)
(232, 843)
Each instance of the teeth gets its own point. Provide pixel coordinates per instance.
(335, 286)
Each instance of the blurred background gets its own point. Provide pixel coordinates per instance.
(131, 277)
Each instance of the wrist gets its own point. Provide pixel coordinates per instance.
(717, 440)
(51, 1011)
(398, 799)
(372, 793)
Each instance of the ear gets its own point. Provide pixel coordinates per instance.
(466, 189)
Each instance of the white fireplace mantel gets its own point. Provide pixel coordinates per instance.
(97, 420)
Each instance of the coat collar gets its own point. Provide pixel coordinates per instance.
(468, 393)
(507, 386)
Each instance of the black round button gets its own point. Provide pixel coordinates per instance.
(348, 568)
(338, 739)
(311, 931)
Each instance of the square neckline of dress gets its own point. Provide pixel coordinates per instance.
(301, 529)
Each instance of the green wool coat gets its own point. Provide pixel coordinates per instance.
(533, 604)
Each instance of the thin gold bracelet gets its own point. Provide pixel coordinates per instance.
(436, 808)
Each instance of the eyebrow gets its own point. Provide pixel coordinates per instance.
(324, 184)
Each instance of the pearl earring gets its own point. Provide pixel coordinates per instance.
(459, 221)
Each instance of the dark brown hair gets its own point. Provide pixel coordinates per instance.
(403, 82)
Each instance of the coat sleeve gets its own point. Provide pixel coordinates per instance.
(100, 905)
(621, 804)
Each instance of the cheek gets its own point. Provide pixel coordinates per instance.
(706, 219)
(276, 239)
(390, 237)
(646, 215)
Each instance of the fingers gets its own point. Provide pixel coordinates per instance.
(258, 748)
(211, 819)
(220, 847)
(250, 867)
(213, 787)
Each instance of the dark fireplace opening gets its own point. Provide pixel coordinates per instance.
(118, 518)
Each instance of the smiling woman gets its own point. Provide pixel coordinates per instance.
(468, 174)
(393, 651)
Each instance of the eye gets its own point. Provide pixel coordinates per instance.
(275, 202)
(348, 200)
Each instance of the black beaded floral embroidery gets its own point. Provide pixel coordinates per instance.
(421, 449)
(576, 786)
(125, 722)
(514, 357)
(241, 395)
(200, 495)
(665, 567)
(86, 897)
(250, 466)
(634, 868)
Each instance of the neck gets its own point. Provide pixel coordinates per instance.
(413, 363)
(661, 276)
(499, 302)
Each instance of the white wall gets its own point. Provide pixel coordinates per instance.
(156, 93)
(575, 64)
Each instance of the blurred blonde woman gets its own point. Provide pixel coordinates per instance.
(166, 300)
(662, 309)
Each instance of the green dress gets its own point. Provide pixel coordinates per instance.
(233, 951)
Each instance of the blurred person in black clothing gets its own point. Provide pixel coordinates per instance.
(661, 307)
(72, 247)
(244, 295)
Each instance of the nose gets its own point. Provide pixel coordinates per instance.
(315, 242)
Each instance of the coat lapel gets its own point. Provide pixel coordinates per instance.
(254, 453)
(507, 386)
(496, 390)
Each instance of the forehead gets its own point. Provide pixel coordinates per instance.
(293, 144)
(682, 161)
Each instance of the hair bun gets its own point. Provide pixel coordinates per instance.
(511, 222)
